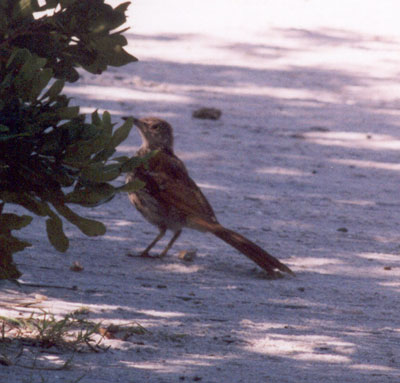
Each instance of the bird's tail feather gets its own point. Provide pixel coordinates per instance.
(258, 255)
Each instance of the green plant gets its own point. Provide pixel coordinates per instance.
(51, 155)
(45, 330)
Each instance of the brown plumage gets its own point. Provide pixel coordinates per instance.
(171, 200)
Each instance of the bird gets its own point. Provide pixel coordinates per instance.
(171, 200)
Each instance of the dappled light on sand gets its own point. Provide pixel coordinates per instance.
(357, 141)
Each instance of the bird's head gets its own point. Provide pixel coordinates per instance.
(156, 133)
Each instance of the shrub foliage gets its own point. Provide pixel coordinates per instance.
(51, 155)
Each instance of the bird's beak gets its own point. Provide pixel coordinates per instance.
(137, 122)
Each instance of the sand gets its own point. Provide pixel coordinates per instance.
(304, 161)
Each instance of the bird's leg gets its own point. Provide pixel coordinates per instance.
(170, 243)
(161, 234)
(145, 252)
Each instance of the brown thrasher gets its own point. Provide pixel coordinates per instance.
(171, 200)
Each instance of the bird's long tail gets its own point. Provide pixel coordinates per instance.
(258, 255)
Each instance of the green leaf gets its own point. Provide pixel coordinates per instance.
(88, 227)
(103, 155)
(111, 50)
(122, 7)
(131, 186)
(67, 3)
(18, 57)
(107, 125)
(10, 244)
(64, 178)
(68, 112)
(10, 221)
(90, 196)
(135, 161)
(54, 90)
(30, 67)
(31, 78)
(122, 133)
(121, 159)
(30, 203)
(78, 155)
(64, 70)
(96, 120)
(99, 173)
(56, 235)
(40, 82)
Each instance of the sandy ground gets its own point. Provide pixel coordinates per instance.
(304, 161)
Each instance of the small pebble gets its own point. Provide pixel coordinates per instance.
(76, 266)
(187, 255)
(207, 113)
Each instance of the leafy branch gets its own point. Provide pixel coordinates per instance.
(51, 155)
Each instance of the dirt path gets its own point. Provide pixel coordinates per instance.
(304, 161)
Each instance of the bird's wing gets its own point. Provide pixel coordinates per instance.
(176, 188)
